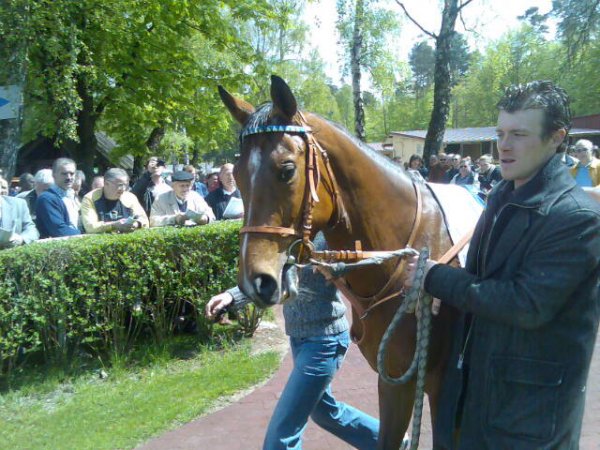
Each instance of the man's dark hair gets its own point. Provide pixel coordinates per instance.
(544, 95)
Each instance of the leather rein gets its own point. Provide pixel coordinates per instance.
(313, 178)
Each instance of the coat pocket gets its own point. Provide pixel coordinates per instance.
(523, 397)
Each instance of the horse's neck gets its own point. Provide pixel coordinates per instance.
(379, 197)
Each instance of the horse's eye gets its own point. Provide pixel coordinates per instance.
(287, 172)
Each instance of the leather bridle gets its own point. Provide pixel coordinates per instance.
(313, 179)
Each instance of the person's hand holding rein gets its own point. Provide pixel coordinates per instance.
(411, 271)
(217, 304)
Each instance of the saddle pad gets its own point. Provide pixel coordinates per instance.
(461, 207)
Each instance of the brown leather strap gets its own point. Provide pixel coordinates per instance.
(283, 231)
(377, 299)
(397, 274)
(456, 248)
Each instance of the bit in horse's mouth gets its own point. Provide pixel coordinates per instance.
(289, 283)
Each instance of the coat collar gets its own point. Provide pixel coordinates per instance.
(536, 196)
(542, 191)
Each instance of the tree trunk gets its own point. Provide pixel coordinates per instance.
(85, 151)
(10, 129)
(441, 90)
(355, 64)
(156, 137)
(153, 143)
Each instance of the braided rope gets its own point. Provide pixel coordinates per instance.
(419, 362)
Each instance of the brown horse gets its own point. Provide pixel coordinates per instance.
(381, 205)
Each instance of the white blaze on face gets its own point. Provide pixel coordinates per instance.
(254, 164)
(253, 167)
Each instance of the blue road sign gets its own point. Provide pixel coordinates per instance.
(10, 102)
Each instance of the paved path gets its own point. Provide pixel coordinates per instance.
(241, 426)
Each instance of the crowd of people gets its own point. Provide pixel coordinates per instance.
(54, 203)
(482, 175)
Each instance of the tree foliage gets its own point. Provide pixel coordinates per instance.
(578, 25)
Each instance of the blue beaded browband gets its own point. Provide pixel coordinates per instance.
(275, 129)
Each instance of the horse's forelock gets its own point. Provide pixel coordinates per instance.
(260, 117)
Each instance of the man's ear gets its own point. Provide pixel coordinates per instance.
(559, 136)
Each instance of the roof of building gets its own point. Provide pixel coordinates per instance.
(479, 134)
(380, 146)
(106, 145)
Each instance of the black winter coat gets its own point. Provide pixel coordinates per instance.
(532, 293)
(218, 201)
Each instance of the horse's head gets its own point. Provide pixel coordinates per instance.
(271, 175)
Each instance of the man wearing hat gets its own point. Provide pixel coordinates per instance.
(181, 206)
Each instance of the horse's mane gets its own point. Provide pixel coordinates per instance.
(262, 116)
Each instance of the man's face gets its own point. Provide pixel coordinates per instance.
(581, 153)
(433, 160)
(64, 176)
(456, 161)
(226, 177)
(483, 165)
(114, 188)
(464, 169)
(182, 189)
(522, 150)
(153, 166)
(192, 171)
(212, 182)
(443, 160)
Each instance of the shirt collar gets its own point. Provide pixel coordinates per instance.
(69, 193)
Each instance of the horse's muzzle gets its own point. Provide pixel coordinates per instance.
(265, 289)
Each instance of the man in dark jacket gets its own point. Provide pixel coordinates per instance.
(151, 184)
(219, 198)
(521, 355)
(57, 212)
(489, 174)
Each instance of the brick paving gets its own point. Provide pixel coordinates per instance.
(241, 426)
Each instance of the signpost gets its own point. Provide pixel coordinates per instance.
(10, 102)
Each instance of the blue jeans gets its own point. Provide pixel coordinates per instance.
(308, 394)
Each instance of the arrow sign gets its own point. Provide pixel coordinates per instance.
(10, 101)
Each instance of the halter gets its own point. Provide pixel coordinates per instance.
(313, 178)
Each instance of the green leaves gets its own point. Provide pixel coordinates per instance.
(57, 296)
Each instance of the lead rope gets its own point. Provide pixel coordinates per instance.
(409, 305)
(419, 362)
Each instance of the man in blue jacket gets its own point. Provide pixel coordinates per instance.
(57, 211)
(529, 293)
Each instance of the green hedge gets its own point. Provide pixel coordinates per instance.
(101, 291)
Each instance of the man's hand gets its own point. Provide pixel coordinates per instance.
(123, 225)
(14, 241)
(197, 218)
(217, 303)
(180, 219)
(411, 270)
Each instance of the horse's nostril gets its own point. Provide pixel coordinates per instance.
(265, 287)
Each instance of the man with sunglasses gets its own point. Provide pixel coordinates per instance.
(587, 171)
(112, 208)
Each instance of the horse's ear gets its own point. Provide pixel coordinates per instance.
(282, 97)
(239, 109)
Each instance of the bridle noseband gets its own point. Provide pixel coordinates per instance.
(313, 179)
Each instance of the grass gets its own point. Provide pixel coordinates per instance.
(126, 406)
